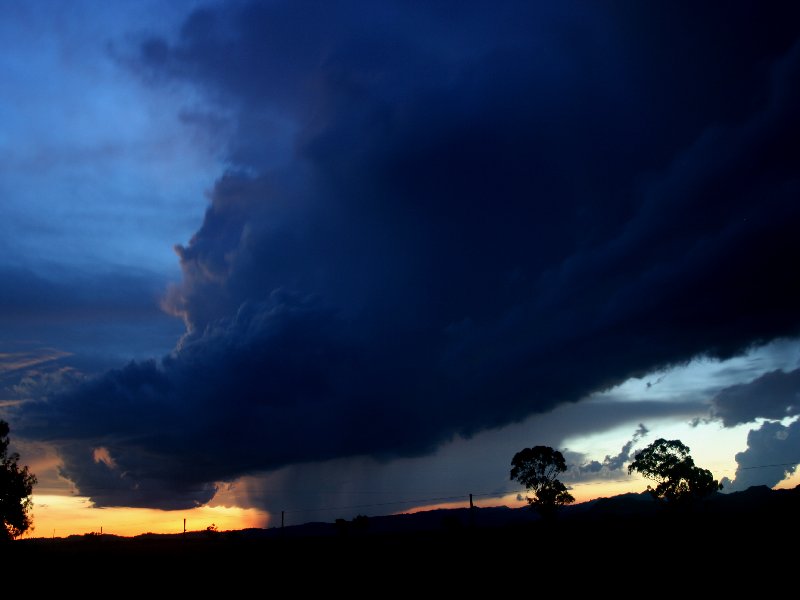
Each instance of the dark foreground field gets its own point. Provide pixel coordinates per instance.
(628, 538)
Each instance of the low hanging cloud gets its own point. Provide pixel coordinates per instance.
(435, 227)
(774, 395)
(773, 449)
(773, 454)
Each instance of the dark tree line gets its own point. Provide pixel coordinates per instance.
(667, 462)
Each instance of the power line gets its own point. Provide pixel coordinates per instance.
(791, 464)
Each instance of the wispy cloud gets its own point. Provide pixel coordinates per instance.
(611, 466)
(16, 361)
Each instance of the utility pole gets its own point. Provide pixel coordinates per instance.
(471, 513)
(184, 526)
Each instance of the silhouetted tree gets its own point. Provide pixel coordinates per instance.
(537, 469)
(360, 523)
(668, 463)
(16, 486)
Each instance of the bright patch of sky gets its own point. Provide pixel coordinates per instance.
(712, 445)
(703, 377)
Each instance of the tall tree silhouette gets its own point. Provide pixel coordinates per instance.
(16, 486)
(668, 463)
(537, 469)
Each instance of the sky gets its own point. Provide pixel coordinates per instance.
(348, 258)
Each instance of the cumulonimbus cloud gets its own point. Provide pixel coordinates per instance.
(454, 236)
(772, 454)
(773, 448)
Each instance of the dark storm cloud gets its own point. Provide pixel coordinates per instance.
(773, 450)
(58, 328)
(773, 453)
(774, 395)
(480, 465)
(439, 221)
(42, 382)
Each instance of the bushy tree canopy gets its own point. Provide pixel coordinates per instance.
(537, 469)
(16, 486)
(668, 463)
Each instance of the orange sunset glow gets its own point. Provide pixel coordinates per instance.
(61, 516)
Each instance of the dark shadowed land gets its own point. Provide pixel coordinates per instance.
(629, 536)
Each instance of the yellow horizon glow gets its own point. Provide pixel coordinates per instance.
(790, 482)
(62, 516)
